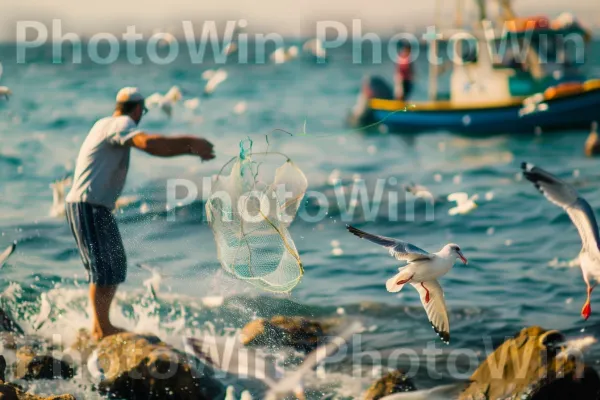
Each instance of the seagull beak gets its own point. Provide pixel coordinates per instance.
(462, 258)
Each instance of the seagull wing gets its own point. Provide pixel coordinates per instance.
(403, 251)
(293, 379)
(6, 253)
(145, 267)
(459, 197)
(153, 100)
(564, 195)
(435, 306)
(173, 95)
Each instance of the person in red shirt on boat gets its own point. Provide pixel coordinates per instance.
(403, 76)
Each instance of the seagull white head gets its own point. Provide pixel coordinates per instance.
(452, 250)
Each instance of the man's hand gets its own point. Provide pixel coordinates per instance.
(202, 148)
(171, 146)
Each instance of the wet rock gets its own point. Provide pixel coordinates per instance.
(393, 382)
(84, 345)
(32, 366)
(8, 341)
(2, 369)
(143, 367)
(527, 367)
(14, 392)
(7, 324)
(297, 332)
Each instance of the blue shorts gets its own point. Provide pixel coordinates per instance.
(99, 242)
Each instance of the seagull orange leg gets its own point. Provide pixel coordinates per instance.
(426, 293)
(586, 311)
(403, 281)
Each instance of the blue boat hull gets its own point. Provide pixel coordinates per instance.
(572, 112)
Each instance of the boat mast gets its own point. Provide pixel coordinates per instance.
(433, 46)
(458, 19)
(482, 10)
(533, 59)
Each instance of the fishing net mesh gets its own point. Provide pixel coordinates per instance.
(250, 220)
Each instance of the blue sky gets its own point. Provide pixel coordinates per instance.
(287, 17)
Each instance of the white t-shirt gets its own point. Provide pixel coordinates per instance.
(103, 162)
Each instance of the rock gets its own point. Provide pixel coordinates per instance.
(32, 366)
(8, 341)
(13, 392)
(2, 369)
(527, 367)
(84, 345)
(297, 332)
(392, 382)
(143, 367)
(7, 324)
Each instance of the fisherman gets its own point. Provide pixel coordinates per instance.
(100, 174)
(403, 76)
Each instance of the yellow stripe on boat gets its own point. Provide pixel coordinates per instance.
(398, 105)
(592, 84)
(554, 92)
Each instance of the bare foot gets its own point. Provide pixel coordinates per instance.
(99, 333)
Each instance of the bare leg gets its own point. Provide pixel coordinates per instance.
(101, 298)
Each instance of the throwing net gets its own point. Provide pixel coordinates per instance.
(250, 220)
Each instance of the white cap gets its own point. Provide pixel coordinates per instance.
(129, 94)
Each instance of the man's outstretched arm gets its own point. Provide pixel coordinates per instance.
(170, 146)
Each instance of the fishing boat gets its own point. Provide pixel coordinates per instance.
(492, 89)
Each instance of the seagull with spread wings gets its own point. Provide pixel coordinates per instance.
(579, 210)
(422, 271)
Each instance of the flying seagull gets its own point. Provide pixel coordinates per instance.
(564, 195)
(227, 355)
(464, 203)
(422, 271)
(419, 191)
